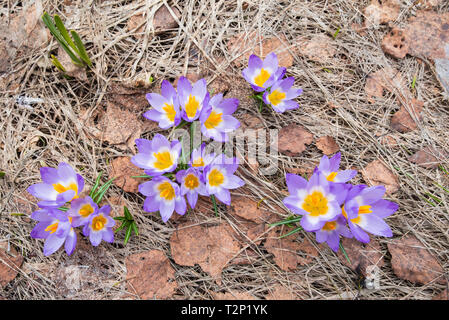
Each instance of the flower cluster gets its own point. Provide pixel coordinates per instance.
(190, 103)
(329, 205)
(171, 184)
(265, 78)
(55, 223)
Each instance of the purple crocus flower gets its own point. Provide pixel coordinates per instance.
(164, 196)
(192, 99)
(216, 120)
(59, 186)
(219, 178)
(331, 231)
(329, 168)
(192, 184)
(157, 156)
(262, 74)
(81, 209)
(56, 227)
(199, 159)
(317, 200)
(365, 210)
(99, 226)
(280, 95)
(166, 106)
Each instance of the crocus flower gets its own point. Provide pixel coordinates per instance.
(317, 200)
(59, 186)
(81, 209)
(330, 232)
(329, 168)
(262, 74)
(157, 156)
(199, 159)
(216, 120)
(166, 106)
(280, 95)
(192, 98)
(219, 178)
(56, 227)
(365, 210)
(99, 226)
(164, 196)
(192, 184)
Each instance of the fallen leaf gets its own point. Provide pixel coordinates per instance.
(389, 141)
(248, 209)
(122, 170)
(287, 252)
(442, 296)
(293, 140)
(427, 157)
(376, 173)
(71, 69)
(319, 49)
(395, 43)
(243, 45)
(211, 248)
(327, 145)
(363, 257)
(150, 275)
(280, 292)
(130, 96)
(413, 262)
(10, 263)
(381, 11)
(404, 119)
(233, 295)
(386, 79)
(162, 21)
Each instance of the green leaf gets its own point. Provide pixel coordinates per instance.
(57, 64)
(101, 192)
(291, 232)
(81, 48)
(215, 204)
(344, 253)
(128, 215)
(120, 218)
(65, 34)
(336, 33)
(127, 235)
(97, 183)
(134, 225)
(63, 209)
(286, 221)
(2, 174)
(124, 223)
(142, 176)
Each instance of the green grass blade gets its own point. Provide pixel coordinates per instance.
(121, 226)
(134, 225)
(63, 209)
(81, 48)
(287, 221)
(128, 215)
(2, 174)
(57, 64)
(344, 253)
(291, 232)
(97, 183)
(64, 33)
(215, 204)
(336, 33)
(127, 235)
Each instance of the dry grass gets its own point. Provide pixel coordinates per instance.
(51, 133)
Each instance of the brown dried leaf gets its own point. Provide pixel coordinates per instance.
(150, 275)
(131, 97)
(122, 170)
(376, 173)
(71, 69)
(379, 12)
(386, 79)
(293, 140)
(248, 209)
(285, 250)
(443, 295)
(427, 157)
(211, 248)
(403, 121)
(413, 262)
(243, 46)
(327, 145)
(162, 21)
(280, 292)
(319, 49)
(233, 295)
(10, 262)
(362, 256)
(396, 43)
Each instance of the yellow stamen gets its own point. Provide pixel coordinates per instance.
(331, 176)
(52, 228)
(60, 188)
(329, 226)
(214, 120)
(86, 210)
(276, 97)
(315, 204)
(191, 182)
(163, 160)
(192, 106)
(263, 76)
(216, 178)
(98, 223)
(198, 162)
(170, 111)
(166, 190)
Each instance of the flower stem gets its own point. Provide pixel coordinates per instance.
(214, 201)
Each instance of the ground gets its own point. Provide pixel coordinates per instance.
(332, 48)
